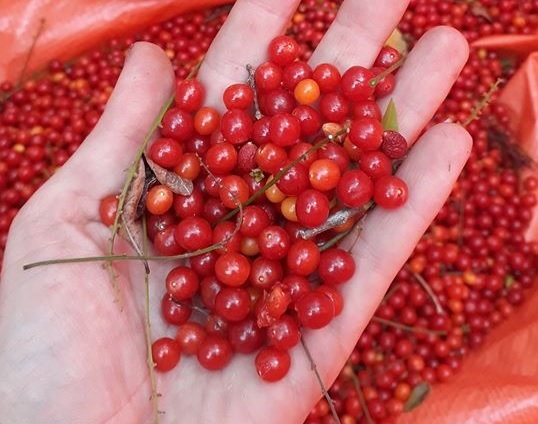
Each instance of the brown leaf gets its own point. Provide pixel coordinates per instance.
(130, 230)
(170, 179)
(480, 11)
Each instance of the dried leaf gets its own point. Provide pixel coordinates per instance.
(418, 394)
(170, 179)
(331, 129)
(397, 40)
(130, 230)
(390, 117)
(480, 11)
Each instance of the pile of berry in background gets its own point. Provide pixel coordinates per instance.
(467, 273)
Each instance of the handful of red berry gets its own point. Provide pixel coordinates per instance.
(274, 183)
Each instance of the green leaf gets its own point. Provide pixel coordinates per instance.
(390, 118)
(418, 394)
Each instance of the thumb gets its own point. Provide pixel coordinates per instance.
(143, 87)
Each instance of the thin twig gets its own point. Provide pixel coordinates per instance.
(110, 258)
(334, 240)
(487, 98)
(320, 381)
(391, 291)
(407, 327)
(359, 225)
(360, 394)
(31, 50)
(151, 363)
(424, 284)
(374, 81)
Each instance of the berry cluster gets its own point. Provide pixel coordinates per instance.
(296, 150)
(403, 348)
(43, 121)
(474, 18)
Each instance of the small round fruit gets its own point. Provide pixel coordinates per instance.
(272, 364)
(314, 310)
(336, 266)
(232, 269)
(355, 188)
(390, 192)
(214, 353)
(165, 353)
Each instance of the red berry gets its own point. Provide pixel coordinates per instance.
(267, 76)
(327, 76)
(165, 152)
(245, 336)
(214, 353)
(159, 199)
(284, 333)
(283, 50)
(165, 353)
(274, 242)
(272, 364)
(355, 83)
(236, 126)
(366, 133)
(294, 73)
(232, 303)
(182, 283)
(314, 310)
(284, 129)
(375, 164)
(232, 269)
(303, 257)
(312, 208)
(108, 208)
(177, 124)
(390, 192)
(221, 158)
(265, 273)
(238, 96)
(173, 312)
(294, 180)
(355, 188)
(336, 266)
(394, 145)
(189, 337)
(189, 95)
(193, 233)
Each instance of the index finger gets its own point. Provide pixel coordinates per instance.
(242, 40)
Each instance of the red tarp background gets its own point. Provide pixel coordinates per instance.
(499, 382)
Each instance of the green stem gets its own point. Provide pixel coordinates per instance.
(335, 239)
(110, 258)
(374, 81)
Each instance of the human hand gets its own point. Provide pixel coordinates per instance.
(69, 355)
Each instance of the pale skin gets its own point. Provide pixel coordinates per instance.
(70, 355)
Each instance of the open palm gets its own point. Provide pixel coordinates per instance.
(68, 354)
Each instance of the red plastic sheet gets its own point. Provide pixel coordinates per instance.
(63, 29)
(497, 384)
